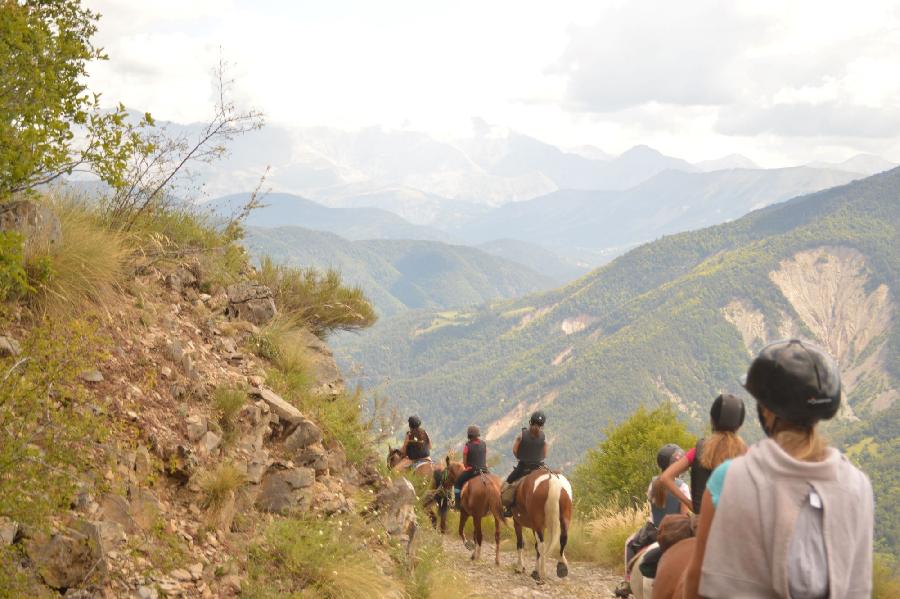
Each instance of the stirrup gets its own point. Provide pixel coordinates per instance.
(507, 511)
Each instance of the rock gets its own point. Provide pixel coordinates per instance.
(305, 434)
(283, 489)
(314, 457)
(210, 441)
(231, 583)
(250, 301)
(196, 571)
(255, 380)
(181, 575)
(115, 508)
(257, 466)
(146, 593)
(9, 347)
(35, 222)
(165, 372)
(143, 466)
(173, 282)
(395, 507)
(197, 426)
(68, 558)
(91, 376)
(279, 406)
(180, 463)
(145, 508)
(336, 458)
(112, 534)
(9, 530)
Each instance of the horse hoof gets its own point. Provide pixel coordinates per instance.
(562, 570)
(535, 575)
(470, 545)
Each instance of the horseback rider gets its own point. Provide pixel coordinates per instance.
(726, 416)
(474, 460)
(662, 503)
(530, 448)
(416, 446)
(780, 499)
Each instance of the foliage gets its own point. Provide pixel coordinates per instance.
(45, 48)
(317, 300)
(48, 429)
(429, 576)
(219, 484)
(13, 276)
(621, 466)
(885, 577)
(84, 269)
(304, 557)
(16, 581)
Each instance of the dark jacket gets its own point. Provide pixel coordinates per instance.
(699, 476)
(417, 446)
(531, 449)
(475, 453)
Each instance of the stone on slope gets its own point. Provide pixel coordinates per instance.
(395, 507)
(303, 436)
(250, 301)
(279, 406)
(9, 347)
(35, 222)
(69, 557)
(284, 488)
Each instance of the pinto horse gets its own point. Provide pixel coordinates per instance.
(480, 497)
(543, 504)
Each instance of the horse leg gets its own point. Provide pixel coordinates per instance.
(463, 517)
(538, 572)
(443, 508)
(496, 541)
(476, 553)
(520, 548)
(562, 566)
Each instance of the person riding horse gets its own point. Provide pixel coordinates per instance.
(530, 448)
(802, 512)
(416, 446)
(474, 460)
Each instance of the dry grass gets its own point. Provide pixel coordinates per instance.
(606, 530)
(85, 269)
(227, 402)
(219, 485)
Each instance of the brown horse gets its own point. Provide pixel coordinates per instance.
(543, 504)
(669, 581)
(437, 493)
(480, 497)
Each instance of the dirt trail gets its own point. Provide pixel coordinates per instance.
(486, 580)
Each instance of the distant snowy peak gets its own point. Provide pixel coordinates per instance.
(864, 164)
(732, 161)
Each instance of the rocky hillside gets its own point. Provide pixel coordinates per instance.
(672, 320)
(203, 445)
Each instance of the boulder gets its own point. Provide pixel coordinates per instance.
(144, 508)
(314, 457)
(394, 506)
(284, 489)
(115, 508)
(210, 441)
(111, 535)
(279, 406)
(9, 347)
(35, 222)
(250, 301)
(91, 376)
(9, 530)
(70, 557)
(196, 427)
(305, 434)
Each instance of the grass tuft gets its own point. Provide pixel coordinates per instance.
(218, 485)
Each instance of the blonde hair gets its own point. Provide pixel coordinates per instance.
(721, 446)
(804, 444)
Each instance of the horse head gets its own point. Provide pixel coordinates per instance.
(393, 456)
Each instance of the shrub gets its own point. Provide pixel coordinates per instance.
(320, 558)
(84, 269)
(219, 484)
(885, 577)
(13, 276)
(316, 300)
(624, 462)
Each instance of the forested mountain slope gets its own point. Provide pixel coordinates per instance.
(400, 275)
(672, 320)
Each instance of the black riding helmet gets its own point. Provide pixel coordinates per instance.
(667, 454)
(538, 418)
(414, 422)
(796, 380)
(727, 413)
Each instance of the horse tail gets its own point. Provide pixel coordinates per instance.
(495, 505)
(551, 517)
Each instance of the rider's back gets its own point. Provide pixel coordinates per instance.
(417, 444)
(531, 448)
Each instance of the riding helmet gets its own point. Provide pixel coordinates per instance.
(668, 454)
(414, 422)
(538, 418)
(796, 380)
(474, 432)
(727, 413)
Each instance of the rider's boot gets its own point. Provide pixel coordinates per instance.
(507, 508)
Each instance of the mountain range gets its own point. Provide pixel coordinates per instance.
(672, 320)
(400, 275)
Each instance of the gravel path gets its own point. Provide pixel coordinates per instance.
(484, 579)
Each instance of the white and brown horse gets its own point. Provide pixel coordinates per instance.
(431, 486)
(543, 504)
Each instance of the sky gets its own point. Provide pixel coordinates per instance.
(782, 82)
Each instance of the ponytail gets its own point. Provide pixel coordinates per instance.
(721, 446)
